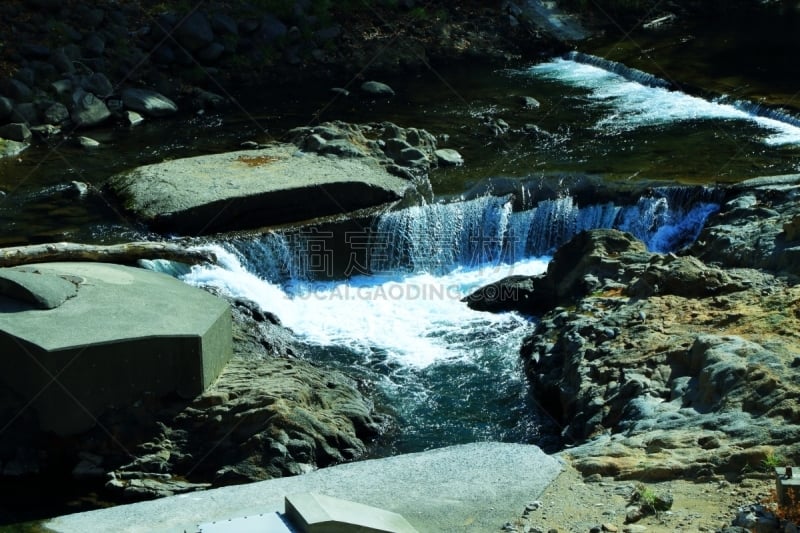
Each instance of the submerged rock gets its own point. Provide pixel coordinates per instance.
(148, 103)
(376, 88)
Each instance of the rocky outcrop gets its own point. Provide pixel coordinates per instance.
(757, 226)
(270, 414)
(331, 169)
(663, 365)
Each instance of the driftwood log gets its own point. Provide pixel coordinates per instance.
(125, 253)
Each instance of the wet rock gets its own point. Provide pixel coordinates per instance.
(56, 113)
(376, 88)
(449, 157)
(148, 103)
(61, 87)
(9, 148)
(98, 84)
(339, 91)
(87, 142)
(194, 32)
(529, 102)
(87, 109)
(15, 132)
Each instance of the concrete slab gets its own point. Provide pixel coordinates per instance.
(263, 523)
(126, 333)
(317, 513)
(467, 488)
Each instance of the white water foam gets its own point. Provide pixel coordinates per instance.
(631, 105)
(416, 319)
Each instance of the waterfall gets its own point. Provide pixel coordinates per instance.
(629, 73)
(761, 110)
(632, 99)
(438, 238)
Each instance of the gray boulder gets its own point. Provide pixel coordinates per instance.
(263, 187)
(10, 148)
(148, 103)
(15, 132)
(62, 62)
(88, 110)
(98, 84)
(55, 114)
(530, 102)
(194, 32)
(376, 88)
(448, 156)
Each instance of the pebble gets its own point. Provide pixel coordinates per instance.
(611, 528)
(533, 506)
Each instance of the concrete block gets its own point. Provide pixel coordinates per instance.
(787, 485)
(317, 513)
(125, 334)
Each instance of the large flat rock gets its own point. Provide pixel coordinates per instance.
(466, 488)
(253, 188)
(126, 332)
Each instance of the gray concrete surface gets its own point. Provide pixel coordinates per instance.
(310, 512)
(467, 488)
(253, 188)
(125, 333)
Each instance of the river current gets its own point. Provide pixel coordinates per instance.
(448, 374)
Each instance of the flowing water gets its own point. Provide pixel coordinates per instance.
(394, 317)
(447, 373)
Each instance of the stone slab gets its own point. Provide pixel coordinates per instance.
(467, 488)
(252, 188)
(317, 513)
(128, 332)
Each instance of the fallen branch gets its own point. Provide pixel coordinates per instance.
(126, 253)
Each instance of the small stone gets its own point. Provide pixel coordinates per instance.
(611, 528)
(340, 91)
(133, 118)
(530, 103)
(87, 142)
(533, 506)
(636, 528)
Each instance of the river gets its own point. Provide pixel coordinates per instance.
(446, 373)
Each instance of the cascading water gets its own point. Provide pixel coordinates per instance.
(632, 99)
(449, 374)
